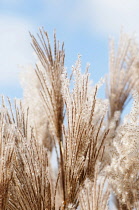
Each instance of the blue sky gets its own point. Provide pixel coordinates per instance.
(84, 26)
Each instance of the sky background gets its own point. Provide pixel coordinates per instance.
(84, 25)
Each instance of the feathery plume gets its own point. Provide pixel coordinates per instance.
(123, 73)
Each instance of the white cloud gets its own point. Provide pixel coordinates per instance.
(107, 16)
(15, 48)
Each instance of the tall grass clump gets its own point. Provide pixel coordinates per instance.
(60, 117)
